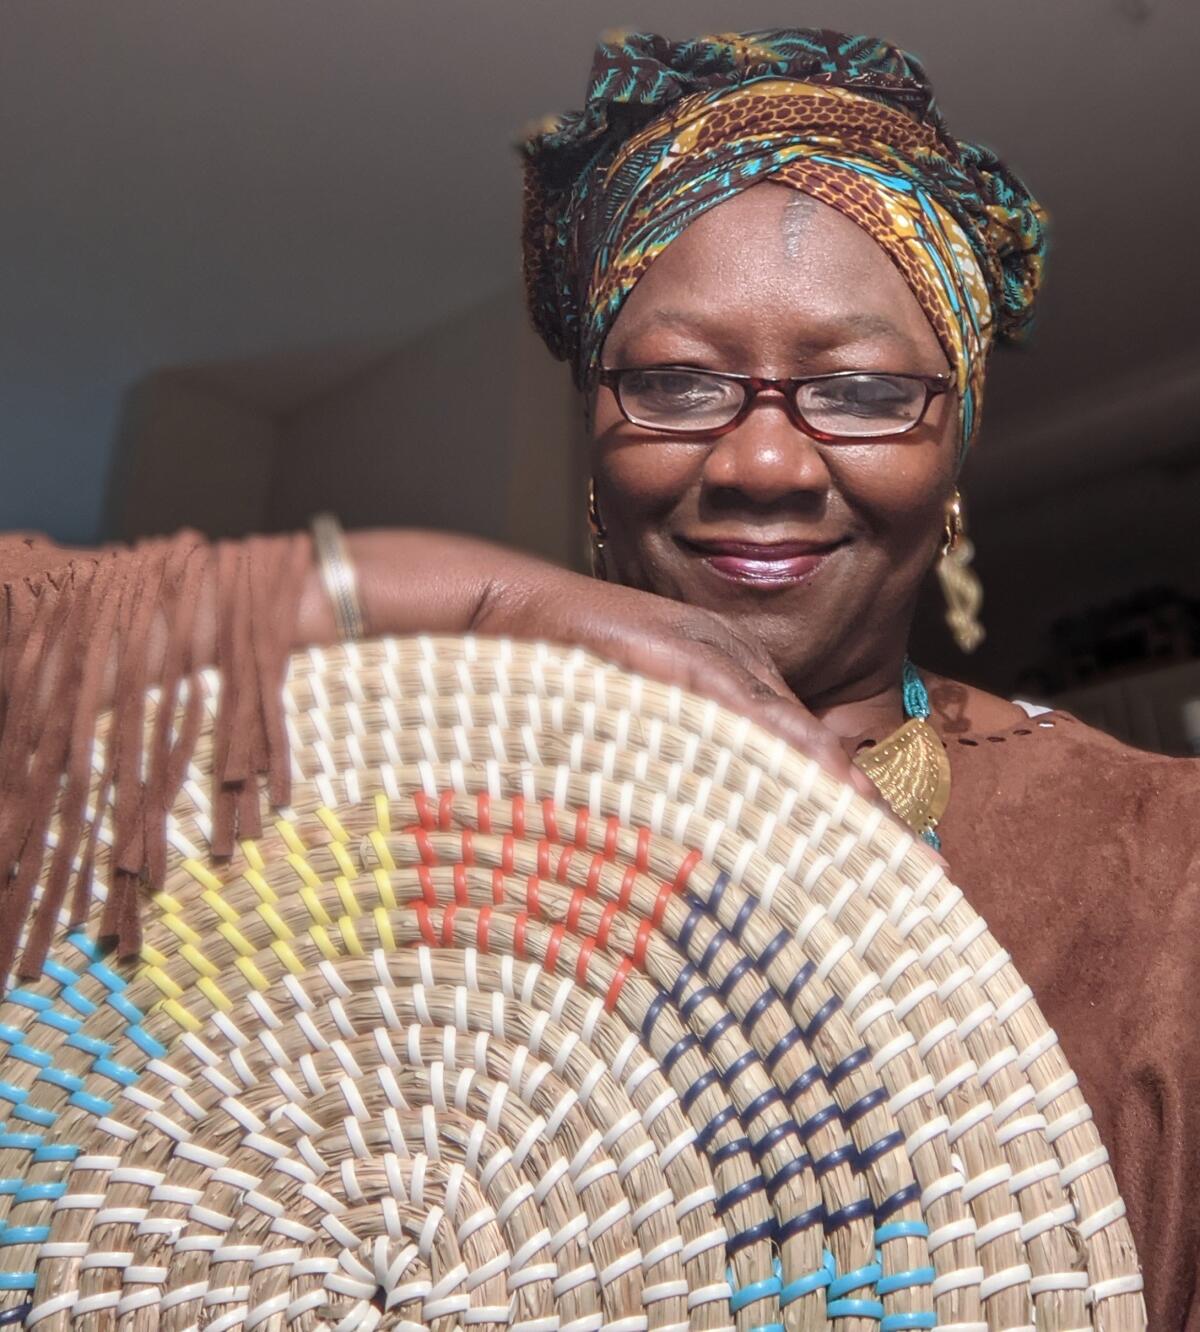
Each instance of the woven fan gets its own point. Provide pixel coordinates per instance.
(559, 1001)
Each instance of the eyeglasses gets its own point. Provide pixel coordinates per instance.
(846, 405)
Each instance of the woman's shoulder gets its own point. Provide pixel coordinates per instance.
(968, 718)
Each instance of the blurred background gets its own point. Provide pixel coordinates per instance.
(260, 258)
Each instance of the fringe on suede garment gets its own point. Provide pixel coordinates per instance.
(81, 633)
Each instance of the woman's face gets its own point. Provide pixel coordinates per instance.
(774, 283)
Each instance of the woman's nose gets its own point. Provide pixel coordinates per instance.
(767, 457)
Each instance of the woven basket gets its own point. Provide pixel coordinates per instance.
(559, 999)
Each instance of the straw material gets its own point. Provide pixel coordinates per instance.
(557, 1000)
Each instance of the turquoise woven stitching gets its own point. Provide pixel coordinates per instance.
(856, 1294)
(65, 1014)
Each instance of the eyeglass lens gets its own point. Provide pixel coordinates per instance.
(844, 405)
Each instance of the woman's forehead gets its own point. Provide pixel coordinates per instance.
(773, 260)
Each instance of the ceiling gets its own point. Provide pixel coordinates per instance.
(189, 182)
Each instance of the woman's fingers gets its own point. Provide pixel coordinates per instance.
(673, 643)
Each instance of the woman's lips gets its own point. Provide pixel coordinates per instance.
(774, 564)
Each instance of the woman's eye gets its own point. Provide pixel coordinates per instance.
(875, 395)
(675, 385)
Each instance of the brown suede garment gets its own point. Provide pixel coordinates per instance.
(1083, 855)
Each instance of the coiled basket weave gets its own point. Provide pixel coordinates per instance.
(559, 1001)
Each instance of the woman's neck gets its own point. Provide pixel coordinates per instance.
(867, 708)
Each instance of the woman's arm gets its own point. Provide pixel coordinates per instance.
(420, 581)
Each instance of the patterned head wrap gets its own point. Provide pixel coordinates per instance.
(671, 129)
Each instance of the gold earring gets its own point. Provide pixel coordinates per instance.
(596, 534)
(960, 583)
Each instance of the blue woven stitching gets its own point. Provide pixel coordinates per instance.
(858, 1294)
(50, 1012)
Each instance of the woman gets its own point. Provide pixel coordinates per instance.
(777, 279)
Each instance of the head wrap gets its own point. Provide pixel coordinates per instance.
(671, 129)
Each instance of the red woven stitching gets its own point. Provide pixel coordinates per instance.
(424, 811)
(483, 928)
(606, 920)
(690, 861)
(506, 852)
(497, 886)
(595, 869)
(461, 895)
(627, 882)
(556, 938)
(550, 819)
(578, 897)
(665, 893)
(428, 891)
(426, 925)
(562, 871)
(642, 859)
(543, 858)
(468, 846)
(611, 828)
(518, 816)
(446, 811)
(448, 925)
(425, 847)
(533, 900)
(614, 990)
(483, 811)
(586, 948)
(581, 827)
(519, 934)
(645, 930)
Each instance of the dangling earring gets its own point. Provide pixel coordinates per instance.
(960, 583)
(596, 534)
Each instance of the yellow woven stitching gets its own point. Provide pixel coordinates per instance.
(315, 909)
(261, 886)
(198, 962)
(346, 893)
(251, 973)
(324, 942)
(384, 884)
(157, 976)
(234, 936)
(331, 821)
(165, 902)
(283, 951)
(150, 957)
(181, 1016)
(381, 850)
(384, 927)
(214, 994)
(345, 864)
(181, 929)
(306, 872)
(350, 936)
(203, 875)
(275, 922)
(227, 913)
(254, 857)
(290, 837)
(383, 812)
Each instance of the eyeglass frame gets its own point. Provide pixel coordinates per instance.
(935, 385)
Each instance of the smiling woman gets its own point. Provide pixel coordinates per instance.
(777, 278)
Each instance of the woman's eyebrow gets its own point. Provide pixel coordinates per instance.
(825, 335)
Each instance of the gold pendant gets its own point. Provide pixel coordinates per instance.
(912, 772)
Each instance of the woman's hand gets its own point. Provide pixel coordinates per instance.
(436, 582)
(665, 640)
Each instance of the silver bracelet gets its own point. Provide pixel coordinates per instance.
(337, 573)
